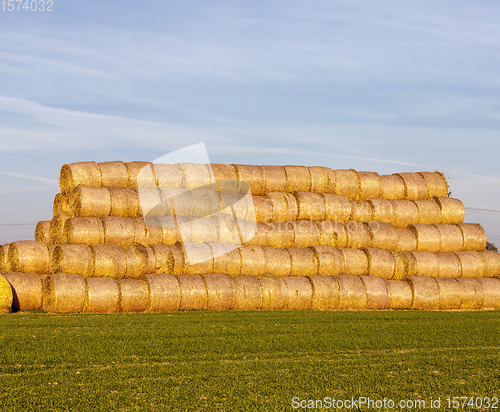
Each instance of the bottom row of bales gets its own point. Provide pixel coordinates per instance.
(68, 293)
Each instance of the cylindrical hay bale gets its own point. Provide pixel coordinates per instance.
(151, 202)
(227, 258)
(220, 291)
(355, 261)
(124, 202)
(333, 234)
(253, 176)
(61, 204)
(134, 295)
(377, 292)
(26, 290)
(436, 184)
(63, 293)
(73, 259)
(197, 175)
(452, 210)
(57, 228)
(283, 205)
(110, 261)
(405, 213)
(472, 294)
(449, 294)
(193, 292)
(4, 258)
(361, 211)
(393, 187)
(383, 235)
(253, 260)
(306, 233)
(262, 209)
(226, 174)
(206, 202)
(83, 231)
(164, 258)
(141, 174)
(227, 231)
(346, 183)
(407, 240)
(382, 210)
(164, 292)
(474, 236)
(451, 238)
(247, 293)
(337, 208)
(429, 212)
(169, 175)
(322, 179)
(415, 187)
(281, 234)
(298, 178)
(103, 296)
(358, 235)
(400, 265)
(370, 185)
(326, 292)
(330, 260)
(380, 263)
(113, 174)
(352, 293)
(140, 231)
(203, 230)
(274, 179)
(42, 231)
(400, 294)
(274, 292)
(260, 235)
(491, 263)
(472, 263)
(178, 202)
(426, 263)
(299, 293)
(154, 230)
(428, 237)
(304, 261)
(425, 292)
(278, 261)
(311, 206)
(449, 265)
(491, 291)
(140, 260)
(81, 173)
(91, 201)
(118, 230)
(29, 256)
(198, 258)
(170, 233)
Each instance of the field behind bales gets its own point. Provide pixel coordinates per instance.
(243, 361)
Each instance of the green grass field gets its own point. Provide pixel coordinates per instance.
(243, 361)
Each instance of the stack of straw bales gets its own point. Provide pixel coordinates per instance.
(137, 236)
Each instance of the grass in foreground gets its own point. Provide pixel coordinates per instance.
(243, 361)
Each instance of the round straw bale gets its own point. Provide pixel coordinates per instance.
(140, 260)
(42, 231)
(203, 230)
(352, 293)
(73, 259)
(370, 185)
(326, 292)
(4, 258)
(415, 187)
(491, 293)
(253, 260)
(169, 175)
(274, 179)
(400, 294)
(227, 258)
(311, 206)
(206, 201)
(141, 231)
(81, 173)
(151, 202)
(83, 231)
(118, 230)
(284, 207)
(224, 173)
(193, 292)
(134, 295)
(425, 292)
(426, 263)
(452, 210)
(337, 208)
(61, 204)
(429, 212)
(382, 210)
(304, 261)
(298, 178)
(256, 234)
(383, 235)
(281, 234)
(355, 261)
(449, 294)
(57, 228)
(472, 293)
(274, 292)
(333, 234)
(299, 293)
(29, 256)
(407, 240)
(63, 293)
(451, 238)
(400, 265)
(91, 201)
(241, 205)
(124, 202)
(263, 210)
(253, 176)
(184, 228)
(278, 261)
(170, 233)
(178, 202)
(247, 293)
(358, 235)
(227, 231)
(164, 259)
(449, 265)
(472, 263)
(377, 292)
(405, 213)
(491, 263)
(346, 183)
(110, 261)
(220, 291)
(474, 236)
(322, 179)
(393, 187)
(113, 174)
(198, 259)
(380, 263)
(141, 174)
(435, 183)
(197, 175)
(330, 260)
(361, 211)
(164, 292)
(103, 296)
(306, 233)
(26, 290)
(428, 237)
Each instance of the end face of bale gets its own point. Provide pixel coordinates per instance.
(80, 173)
(42, 231)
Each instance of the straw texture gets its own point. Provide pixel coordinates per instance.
(26, 290)
(474, 236)
(405, 213)
(29, 256)
(138, 260)
(472, 294)
(377, 292)
(337, 208)
(57, 228)
(415, 187)
(198, 259)
(322, 179)
(298, 178)
(124, 201)
(193, 292)
(358, 235)
(452, 210)
(299, 293)
(449, 294)
(73, 259)
(197, 175)
(253, 260)
(382, 210)
(400, 294)
(407, 240)
(42, 231)
(102, 295)
(91, 201)
(361, 211)
(151, 202)
(274, 179)
(472, 263)
(428, 237)
(118, 230)
(81, 173)
(141, 174)
(278, 261)
(451, 238)
(227, 258)
(283, 205)
(164, 292)
(425, 292)
(423, 263)
(274, 292)
(306, 233)
(380, 263)
(247, 293)
(330, 260)
(169, 175)
(281, 234)
(168, 259)
(370, 185)
(355, 261)
(83, 231)
(449, 265)
(63, 293)
(491, 263)
(304, 261)
(311, 205)
(61, 204)
(383, 235)
(109, 261)
(134, 295)
(400, 265)
(347, 183)
(326, 293)
(435, 183)
(428, 212)
(333, 234)
(352, 293)
(491, 293)
(113, 174)
(253, 176)
(393, 187)
(220, 291)
(260, 236)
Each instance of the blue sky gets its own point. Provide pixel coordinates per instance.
(387, 86)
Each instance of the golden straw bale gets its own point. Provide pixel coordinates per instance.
(491, 293)
(169, 175)
(405, 213)
(383, 235)
(42, 231)
(423, 263)
(26, 290)
(220, 291)
(227, 231)
(81, 173)
(134, 295)
(206, 201)
(370, 185)
(322, 179)
(274, 179)
(358, 235)
(151, 202)
(283, 207)
(346, 183)
(428, 237)
(225, 173)
(227, 258)
(452, 210)
(435, 183)
(203, 230)
(63, 293)
(263, 209)
(474, 236)
(184, 228)
(91, 201)
(361, 211)
(29, 256)
(164, 259)
(299, 293)
(170, 233)
(274, 292)
(198, 258)
(61, 204)
(178, 202)
(449, 294)
(407, 240)
(141, 174)
(472, 293)
(377, 292)
(472, 263)
(110, 261)
(253, 176)
(400, 265)
(380, 263)
(355, 261)
(352, 293)
(337, 208)
(415, 187)
(278, 261)
(193, 292)
(326, 292)
(118, 230)
(4, 258)
(311, 205)
(253, 260)
(298, 178)
(124, 202)
(57, 228)
(140, 260)
(429, 212)
(281, 234)
(306, 233)
(393, 187)
(382, 210)
(451, 238)
(196, 175)
(140, 231)
(491, 263)
(304, 261)
(400, 294)
(449, 265)
(83, 231)
(330, 260)
(164, 292)
(260, 235)
(73, 259)
(102, 296)
(113, 174)
(425, 292)
(247, 293)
